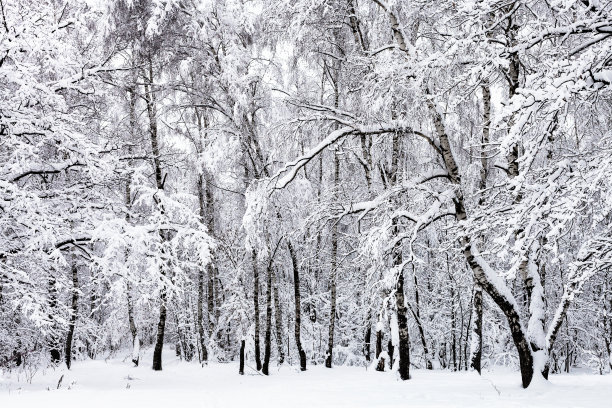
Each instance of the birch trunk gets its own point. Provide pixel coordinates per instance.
(417, 317)
(501, 297)
(241, 367)
(268, 334)
(278, 321)
(368, 336)
(476, 342)
(74, 307)
(298, 307)
(200, 307)
(332, 278)
(380, 365)
(128, 206)
(54, 347)
(152, 114)
(402, 323)
(256, 308)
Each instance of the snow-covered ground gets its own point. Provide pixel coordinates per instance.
(115, 383)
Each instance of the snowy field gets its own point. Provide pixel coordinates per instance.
(115, 383)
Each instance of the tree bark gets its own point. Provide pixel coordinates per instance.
(241, 368)
(268, 334)
(200, 318)
(54, 346)
(402, 323)
(200, 308)
(213, 292)
(368, 336)
(133, 329)
(161, 326)
(453, 323)
(128, 206)
(278, 320)
(152, 113)
(298, 307)
(476, 344)
(476, 349)
(512, 76)
(397, 261)
(417, 317)
(356, 27)
(210, 307)
(607, 320)
(380, 365)
(74, 307)
(256, 307)
(505, 303)
(332, 278)
(391, 353)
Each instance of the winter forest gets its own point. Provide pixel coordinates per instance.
(414, 194)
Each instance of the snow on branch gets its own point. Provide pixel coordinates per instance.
(365, 207)
(289, 171)
(579, 27)
(53, 168)
(286, 175)
(491, 278)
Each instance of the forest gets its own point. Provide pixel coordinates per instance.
(412, 187)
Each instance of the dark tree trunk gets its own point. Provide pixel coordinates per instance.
(268, 335)
(200, 317)
(153, 133)
(218, 291)
(368, 337)
(207, 216)
(161, 326)
(334, 235)
(380, 365)
(298, 308)
(391, 353)
(211, 299)
(256, 307)
(400, 302)
(607, 322)
(128, 205)
(402, 323)
(200, 307)
(333, 275)
(55, 353)
(278, 320)
(512, 76)
(453, 325)
(516, 329)
(417, 316)
(356, 27)
(241, 368)
(133, 329)
(73, 315)
(476, 351)
(54, 346)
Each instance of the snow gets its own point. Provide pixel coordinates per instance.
(291, 169)
(286, 174)
(100, 383)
